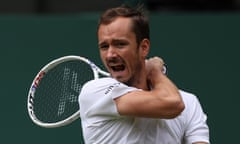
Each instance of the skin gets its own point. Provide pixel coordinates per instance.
(118, 47)
(126, 62)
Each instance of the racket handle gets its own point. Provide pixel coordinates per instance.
(164, 70)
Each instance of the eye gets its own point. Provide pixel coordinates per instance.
(120, 44)
(103, 46)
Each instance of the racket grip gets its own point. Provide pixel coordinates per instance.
(164, 69)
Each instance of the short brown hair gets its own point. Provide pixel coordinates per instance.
(140, 20)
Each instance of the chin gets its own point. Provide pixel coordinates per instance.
(120, 79)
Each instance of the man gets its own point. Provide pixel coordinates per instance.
(138, 104)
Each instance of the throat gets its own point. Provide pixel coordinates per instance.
(139, 83)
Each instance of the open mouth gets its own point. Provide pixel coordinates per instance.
(118, 68)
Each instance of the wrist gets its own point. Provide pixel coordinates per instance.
(156, 77)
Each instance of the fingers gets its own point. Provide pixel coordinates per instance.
(157, 59)
(155, 62)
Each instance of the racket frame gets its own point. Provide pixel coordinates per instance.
(30, 101)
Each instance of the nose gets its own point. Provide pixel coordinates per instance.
(111, 52)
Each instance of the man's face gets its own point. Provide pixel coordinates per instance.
(119, 50)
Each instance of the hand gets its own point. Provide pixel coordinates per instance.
(154, 63)
(154, 68)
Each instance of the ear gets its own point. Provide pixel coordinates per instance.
(145, 47)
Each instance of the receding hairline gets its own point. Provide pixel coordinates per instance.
(137, 15)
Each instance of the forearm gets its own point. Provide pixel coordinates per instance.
(163, 101)
(169, 96)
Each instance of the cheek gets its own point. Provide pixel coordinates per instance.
(134, 62)
(102, 56)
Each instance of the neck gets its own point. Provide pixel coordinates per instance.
(139, 81)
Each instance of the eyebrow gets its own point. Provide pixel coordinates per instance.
(102, 43)
(113, 40)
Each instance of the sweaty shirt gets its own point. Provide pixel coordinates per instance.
(102, 124)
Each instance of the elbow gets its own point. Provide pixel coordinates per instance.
(176, 109)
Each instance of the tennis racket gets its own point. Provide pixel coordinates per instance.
(53, 95)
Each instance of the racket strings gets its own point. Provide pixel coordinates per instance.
(56, 97)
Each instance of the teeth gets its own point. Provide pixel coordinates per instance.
(118, 67)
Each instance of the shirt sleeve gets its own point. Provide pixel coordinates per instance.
(196, 122)
(97, 99)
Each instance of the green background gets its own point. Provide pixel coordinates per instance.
(201, 51)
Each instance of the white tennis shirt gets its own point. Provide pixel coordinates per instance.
(102, 124)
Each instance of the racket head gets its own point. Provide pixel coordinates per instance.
(53, 95)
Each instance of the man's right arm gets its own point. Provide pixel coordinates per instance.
(163, 101)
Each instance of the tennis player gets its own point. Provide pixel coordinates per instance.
(138, 104)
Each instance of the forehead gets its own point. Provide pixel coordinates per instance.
(118, 28)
